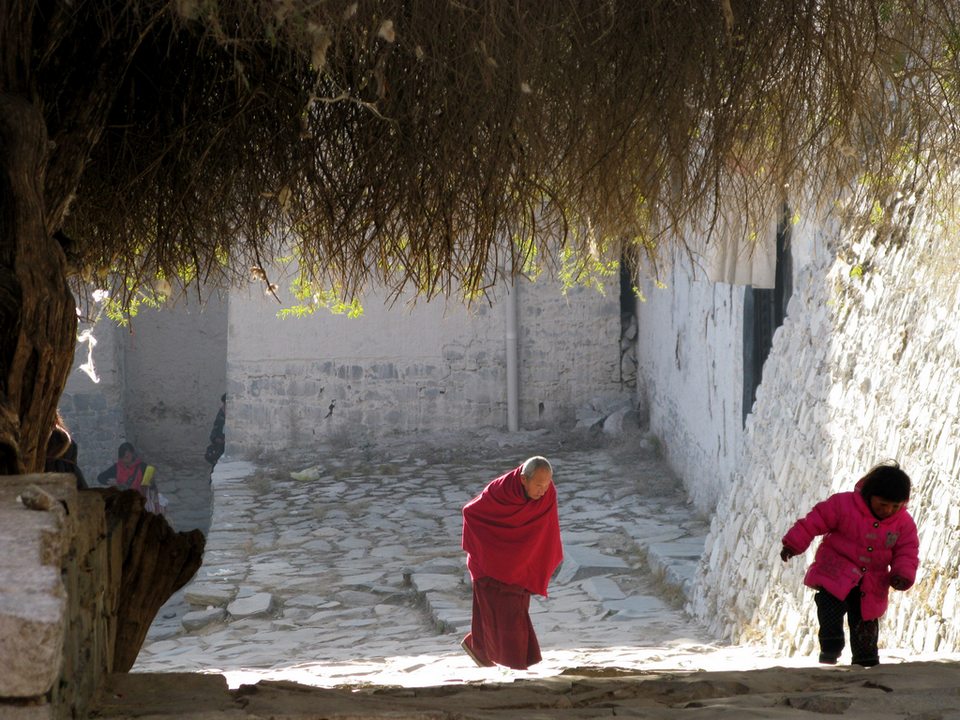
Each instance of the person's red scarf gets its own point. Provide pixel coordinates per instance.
(511, 538)
(131, 475)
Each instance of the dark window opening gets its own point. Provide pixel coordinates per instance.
(628, 326)
(763, 312)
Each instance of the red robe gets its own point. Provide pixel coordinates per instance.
(513, 546)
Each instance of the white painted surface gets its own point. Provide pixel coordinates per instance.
(690, 363)
(434, 366)
(175, 374)
(159, 386)
(866, 367)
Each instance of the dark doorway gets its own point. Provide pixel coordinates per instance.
(763, 312)
(628, 325)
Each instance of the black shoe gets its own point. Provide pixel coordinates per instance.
(827, 659)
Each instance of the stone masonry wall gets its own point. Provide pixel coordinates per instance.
(436, 366)
(82, 577)
(569, 347)
(58, 584)
(175, 372)
(865, 368)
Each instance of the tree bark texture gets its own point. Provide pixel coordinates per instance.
(155, 562)
(37, 311)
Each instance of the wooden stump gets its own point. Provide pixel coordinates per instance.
(155, 562)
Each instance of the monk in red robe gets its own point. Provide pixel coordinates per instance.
(511, 532)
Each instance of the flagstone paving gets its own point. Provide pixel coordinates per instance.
(349, 569)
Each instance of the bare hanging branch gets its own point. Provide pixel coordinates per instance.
(421, 143)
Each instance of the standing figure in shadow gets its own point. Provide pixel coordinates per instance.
(217, 438)
(62, 453)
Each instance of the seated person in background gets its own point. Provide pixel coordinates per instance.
(131, 472)
(127, 472)
(62, 453)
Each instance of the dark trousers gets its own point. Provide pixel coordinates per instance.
(863, 633)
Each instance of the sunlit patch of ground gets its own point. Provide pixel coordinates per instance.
(448, 669)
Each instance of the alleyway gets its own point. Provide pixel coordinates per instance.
(349, 576)
(350, 571)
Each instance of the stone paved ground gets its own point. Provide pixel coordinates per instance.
(188, 490)
(349, 577)
(350, 570)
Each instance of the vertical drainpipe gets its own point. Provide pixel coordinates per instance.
(513, 399)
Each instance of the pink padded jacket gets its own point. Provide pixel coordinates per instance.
(857, 548)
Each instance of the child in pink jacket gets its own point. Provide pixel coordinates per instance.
(870, 544)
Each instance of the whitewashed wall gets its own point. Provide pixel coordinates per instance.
(434, 366)
(158, 385)
(690, 361)
(404, 368)
(865, 368)
(175, 373)
(92, 406)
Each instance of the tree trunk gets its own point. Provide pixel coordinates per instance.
(156, 562)
(37, 311)
(38, 325)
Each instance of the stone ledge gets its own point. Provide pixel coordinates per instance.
(32, 596)
(581, 693)
(27, 712)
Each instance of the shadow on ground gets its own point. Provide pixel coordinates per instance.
(910, 690)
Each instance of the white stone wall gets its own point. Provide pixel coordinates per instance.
(865, 368)
(434, 366)
(399, 368)
(690, 368)
(158, 385)
(93, 409)
(569, 347)
(175, 373)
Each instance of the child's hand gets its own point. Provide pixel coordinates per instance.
(899, 583)
(787, 553)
